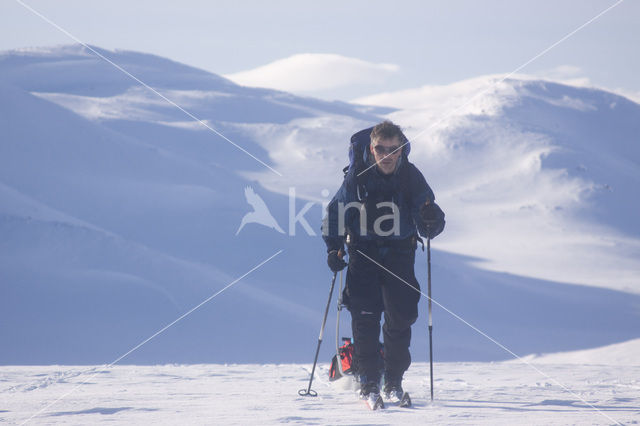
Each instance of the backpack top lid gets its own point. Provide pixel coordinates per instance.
(359, 148)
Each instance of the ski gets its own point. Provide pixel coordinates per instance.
(401, 401)
(374, 401)
(405, 402)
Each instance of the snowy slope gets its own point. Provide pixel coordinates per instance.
(551, 173)
(119, 213)
(537, 178)
(113, 227)
(622, 354)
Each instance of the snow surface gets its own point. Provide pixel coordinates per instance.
(464, 393)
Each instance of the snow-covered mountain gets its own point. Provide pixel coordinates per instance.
(541, 178)
(119, 213)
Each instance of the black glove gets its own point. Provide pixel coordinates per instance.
(432, 218)
(334, 260)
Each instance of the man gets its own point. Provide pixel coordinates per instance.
(382, 204)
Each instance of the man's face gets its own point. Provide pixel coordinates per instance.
(381, 150)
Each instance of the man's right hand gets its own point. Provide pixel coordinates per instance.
(334, 260)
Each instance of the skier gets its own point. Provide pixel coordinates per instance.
(383, 202)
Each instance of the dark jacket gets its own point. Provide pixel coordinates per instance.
(406, 188)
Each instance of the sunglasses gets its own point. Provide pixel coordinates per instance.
(385, 150)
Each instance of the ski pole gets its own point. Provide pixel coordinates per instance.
(339, 361)
(430, 318)
(309, 391)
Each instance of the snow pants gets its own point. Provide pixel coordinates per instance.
(371, 290)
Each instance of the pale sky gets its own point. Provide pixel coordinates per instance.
(406, 44)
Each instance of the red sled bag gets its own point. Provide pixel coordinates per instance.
(349, 366)
(346, 360)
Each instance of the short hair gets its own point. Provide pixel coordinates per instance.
(387, 130)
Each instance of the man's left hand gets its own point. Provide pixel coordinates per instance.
(432, 217)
